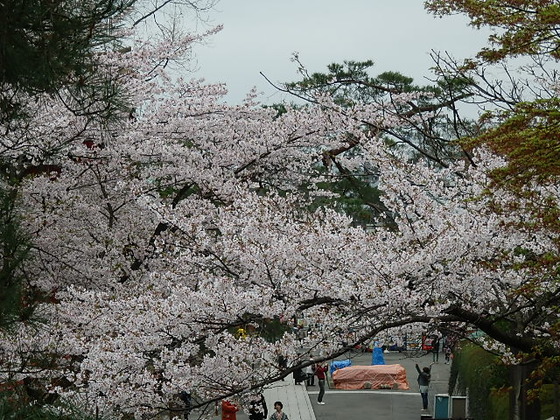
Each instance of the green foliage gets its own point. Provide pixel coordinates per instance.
(550, 400)
(355, 197)
(49, 45)
(520, 27)
(351, 83)
(14, 251)
(13, 406)
(489, 386)
(480, 372)
(271, 329)
(529, 137)
(499, 404)
(279, 108)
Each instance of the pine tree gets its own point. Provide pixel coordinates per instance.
(51, 46)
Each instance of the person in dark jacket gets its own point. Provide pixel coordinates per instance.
(424, 377)
(185, 396)
(435, 349)
(258, 409)
(282, 364)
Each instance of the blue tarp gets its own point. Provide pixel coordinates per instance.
(339, 364)
(377, 358)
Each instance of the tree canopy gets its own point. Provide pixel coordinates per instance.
(151, 239)
(526, 27)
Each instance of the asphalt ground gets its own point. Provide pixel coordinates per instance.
(365, 404)
(384, 404)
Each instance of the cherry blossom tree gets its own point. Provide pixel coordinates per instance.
(158, 235)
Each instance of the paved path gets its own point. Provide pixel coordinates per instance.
(295, 398)
(383, 404)
(300, 403)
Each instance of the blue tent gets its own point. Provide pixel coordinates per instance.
(339, 364)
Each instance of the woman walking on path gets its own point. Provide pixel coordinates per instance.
(320, 372)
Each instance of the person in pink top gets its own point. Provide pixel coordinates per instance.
(321, 373)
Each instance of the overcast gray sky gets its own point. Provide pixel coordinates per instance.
(261, 35)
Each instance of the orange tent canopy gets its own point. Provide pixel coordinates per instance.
(371, 377)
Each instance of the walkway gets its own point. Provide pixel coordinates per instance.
(294, 398)
(301, 403)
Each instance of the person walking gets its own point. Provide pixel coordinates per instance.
(447, 352)
(424, 377)
(282, 364)
(310, 372)
(299, 376)
(320, 372)
(435, 350)
(257, 408)
(278, 413)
